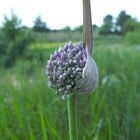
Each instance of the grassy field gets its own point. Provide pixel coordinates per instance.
(29, 110)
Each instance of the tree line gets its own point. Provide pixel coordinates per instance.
(121, 25)
(14, 37)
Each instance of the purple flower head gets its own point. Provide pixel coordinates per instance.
(79, 47)
(65, 67)
(82, 63)
(62, 78)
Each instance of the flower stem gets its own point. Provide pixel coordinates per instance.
(72, 117)
(87, 26)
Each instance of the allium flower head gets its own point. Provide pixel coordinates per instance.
(66, 69)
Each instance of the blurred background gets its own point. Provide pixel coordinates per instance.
(30, 31)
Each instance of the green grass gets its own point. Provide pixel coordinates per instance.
(29, 110)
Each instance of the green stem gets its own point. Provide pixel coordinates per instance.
(72, 117)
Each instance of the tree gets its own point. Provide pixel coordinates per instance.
(94, 27)
(13, 40)
(11, 26)
(66, 29)
(107, 25)
(132, 36)
(122, 19)
(79, 28)
(130, 26)
(39, 25)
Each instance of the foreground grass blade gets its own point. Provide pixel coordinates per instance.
(44, 133)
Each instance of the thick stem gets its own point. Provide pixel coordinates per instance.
(72, 117)
(87, 26)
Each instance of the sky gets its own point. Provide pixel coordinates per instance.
(61, 13)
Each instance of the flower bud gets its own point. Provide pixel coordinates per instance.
(71, 69)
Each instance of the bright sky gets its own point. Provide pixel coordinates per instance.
(61, 13)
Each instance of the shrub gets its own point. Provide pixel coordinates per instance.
(133, 38)
(14, 40)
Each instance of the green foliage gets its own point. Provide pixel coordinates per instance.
(66, 29)
(14, 40)
(29, 110)
(95, 27)
(129, 26)
(107, 25)
(133, 38)
(79, 28)
(121, 22)
(39, 25)
(124, 23)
